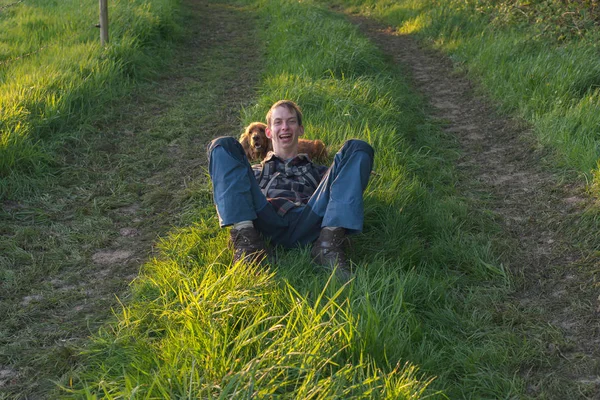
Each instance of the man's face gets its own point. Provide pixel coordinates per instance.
(284, 132)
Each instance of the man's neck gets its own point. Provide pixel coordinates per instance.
(286, 155)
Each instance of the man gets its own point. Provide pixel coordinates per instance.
(287, 198)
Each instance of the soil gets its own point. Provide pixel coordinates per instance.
(503, 170)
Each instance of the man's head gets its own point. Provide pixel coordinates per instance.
(284, 127)
(290, 105)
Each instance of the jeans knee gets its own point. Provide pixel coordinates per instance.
(354, 145)
(229, 143)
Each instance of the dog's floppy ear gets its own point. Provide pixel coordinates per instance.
(244, 137)
(245, 142)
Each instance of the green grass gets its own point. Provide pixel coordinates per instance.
(417, 321)
(54, 74)
(537, 59)
(134, 164)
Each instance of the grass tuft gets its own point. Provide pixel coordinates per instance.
(54, 74)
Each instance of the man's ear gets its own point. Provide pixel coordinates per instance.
(301, 132)
(268, 132)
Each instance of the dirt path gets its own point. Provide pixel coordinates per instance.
(137, 173)
(502, 171)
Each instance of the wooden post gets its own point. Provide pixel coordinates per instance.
(103, 22)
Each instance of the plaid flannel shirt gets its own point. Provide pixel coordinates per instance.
(288, 184)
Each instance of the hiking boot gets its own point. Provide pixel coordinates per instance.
(247, 245)
(328, 251)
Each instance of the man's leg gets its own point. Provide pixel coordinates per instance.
(339, 197)
(237, 196)
(340, 200)
(336, 207)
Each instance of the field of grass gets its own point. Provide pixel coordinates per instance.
(54, 74)
(418, 319)
(60, 186)
(538, 59)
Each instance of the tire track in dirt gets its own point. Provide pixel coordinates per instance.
(214, 71)
(502, 171)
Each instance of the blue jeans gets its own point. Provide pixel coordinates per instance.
(337, 201)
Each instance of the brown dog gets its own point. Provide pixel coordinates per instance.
(255, 142)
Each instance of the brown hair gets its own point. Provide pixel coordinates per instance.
(290, 105)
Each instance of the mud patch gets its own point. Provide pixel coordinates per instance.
(111, 257)
(31, 299)
(7, 376)
(129, 232)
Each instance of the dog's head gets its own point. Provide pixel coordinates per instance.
(258, 137)
(255, 141)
